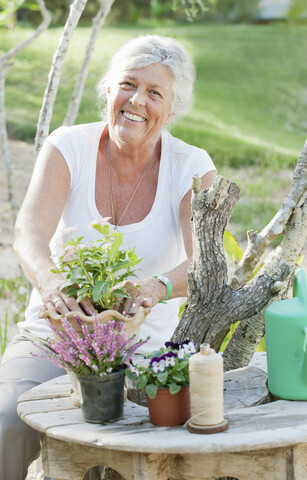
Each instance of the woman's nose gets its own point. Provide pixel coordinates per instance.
(138, 97)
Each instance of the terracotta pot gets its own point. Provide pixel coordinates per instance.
(167, 410)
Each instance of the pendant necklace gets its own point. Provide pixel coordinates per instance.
(116, 224)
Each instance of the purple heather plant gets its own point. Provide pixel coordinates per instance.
(97, 350)
(168, 367)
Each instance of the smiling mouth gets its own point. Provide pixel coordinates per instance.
(133, 117)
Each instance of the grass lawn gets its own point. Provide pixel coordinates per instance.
(250, 98)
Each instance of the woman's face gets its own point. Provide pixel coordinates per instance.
(139, 104)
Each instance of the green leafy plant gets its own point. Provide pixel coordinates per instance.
(96, 269)
(167, 368)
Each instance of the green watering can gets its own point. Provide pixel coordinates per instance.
(286, 341)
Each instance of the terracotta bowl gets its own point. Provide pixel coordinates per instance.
(131, 324)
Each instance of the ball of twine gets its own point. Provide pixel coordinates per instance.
(206, 387)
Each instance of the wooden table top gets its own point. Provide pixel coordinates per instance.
(48, 408)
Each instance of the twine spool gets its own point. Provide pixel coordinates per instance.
(206, 392)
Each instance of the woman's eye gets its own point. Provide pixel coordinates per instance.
(154, 92)
(127, 85)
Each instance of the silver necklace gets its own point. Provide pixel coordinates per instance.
(116, 224)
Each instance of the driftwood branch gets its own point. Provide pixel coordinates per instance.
(257, 243)
(5, 64)
(51, 90)
(213, 305)
(98, 22)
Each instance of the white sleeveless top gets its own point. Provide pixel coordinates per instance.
(157, 238)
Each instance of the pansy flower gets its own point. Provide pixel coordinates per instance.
(189, 348)
(172, 345)
(158, 364)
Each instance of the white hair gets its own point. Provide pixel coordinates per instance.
(146, 50)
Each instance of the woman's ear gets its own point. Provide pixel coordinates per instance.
(170, 118)
(108, 90)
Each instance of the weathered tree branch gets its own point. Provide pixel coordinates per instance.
(213, 305)
(51, 90)
(257, 243)
(4, 66)
(249, 332)
(74, 104)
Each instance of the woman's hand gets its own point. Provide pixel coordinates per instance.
(146, 293)
(55, 299)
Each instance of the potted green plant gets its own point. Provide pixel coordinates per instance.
(96, 270)
(166, 382)
(97, 355)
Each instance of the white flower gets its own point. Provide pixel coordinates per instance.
(134, 370)
(69, 254)
(170, 361)
(181, 353)
(189, 348)
(70, 229)
(158, 366)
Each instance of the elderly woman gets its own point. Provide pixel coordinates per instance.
(131, 169)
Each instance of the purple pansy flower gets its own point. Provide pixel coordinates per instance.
(158, 364)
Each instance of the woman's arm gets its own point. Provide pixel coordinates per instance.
(36, 223)
(151, 291)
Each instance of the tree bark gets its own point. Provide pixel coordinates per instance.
(213, 305)
(74, 104)
(46, 111)
(4, 66)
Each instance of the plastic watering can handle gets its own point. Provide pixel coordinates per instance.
(300, 285)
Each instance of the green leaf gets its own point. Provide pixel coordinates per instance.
(151, 390)
(98, 290)
(300, 259)
(256, 270)
(232, 248)
(76, 274)
(105, 229)
(115, 247)
(174, 388)
(182, 364)
(178, 377)
(131, 375)
(142, 382)
(162, 377)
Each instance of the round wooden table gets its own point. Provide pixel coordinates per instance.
(267, 442)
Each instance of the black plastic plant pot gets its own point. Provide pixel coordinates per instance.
(102, 398)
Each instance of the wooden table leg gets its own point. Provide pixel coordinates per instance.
(150, 466)
(289, 463)
(70, 461)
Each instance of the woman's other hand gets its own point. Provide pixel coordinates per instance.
(145, 293)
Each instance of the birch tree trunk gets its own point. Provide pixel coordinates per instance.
(213, 302)
(98, 22)
(51, 90)
(4, 66)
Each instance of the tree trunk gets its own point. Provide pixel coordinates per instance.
(213, 304)
(74, 104)
(46, 111)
